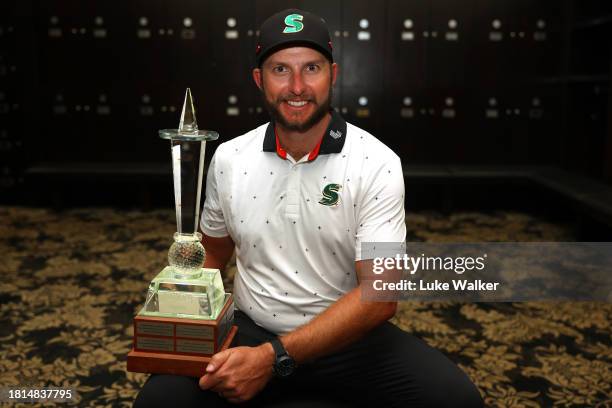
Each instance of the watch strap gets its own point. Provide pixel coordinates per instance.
(279, 349)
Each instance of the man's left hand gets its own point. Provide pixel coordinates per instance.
(238, 374)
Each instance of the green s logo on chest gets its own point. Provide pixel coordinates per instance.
(294, 23)
(330, 195)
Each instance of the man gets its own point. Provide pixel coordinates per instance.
(296, 198)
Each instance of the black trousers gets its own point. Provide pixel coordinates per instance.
(386, 368)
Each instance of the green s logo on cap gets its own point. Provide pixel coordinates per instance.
(293, 23)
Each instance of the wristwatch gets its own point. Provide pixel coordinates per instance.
(284, 365)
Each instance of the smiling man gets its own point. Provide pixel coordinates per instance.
(296, 198)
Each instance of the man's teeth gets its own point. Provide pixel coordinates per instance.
(297, 104)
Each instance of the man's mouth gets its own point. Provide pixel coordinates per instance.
(297, 104)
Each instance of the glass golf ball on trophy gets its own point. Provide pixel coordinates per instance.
(187, 316)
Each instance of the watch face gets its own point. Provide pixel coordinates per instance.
(284, 366)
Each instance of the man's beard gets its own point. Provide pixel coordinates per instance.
(278, 118)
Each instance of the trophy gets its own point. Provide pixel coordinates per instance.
(187, 316)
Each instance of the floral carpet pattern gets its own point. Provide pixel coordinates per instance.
(71, 281)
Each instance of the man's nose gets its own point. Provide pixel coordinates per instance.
(297, 85)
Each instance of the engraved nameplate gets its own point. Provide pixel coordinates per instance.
(154, 343)
(192, 346)
(195, 331)
(177, 302)
(155, 328)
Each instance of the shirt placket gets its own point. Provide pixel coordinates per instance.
(292, 207)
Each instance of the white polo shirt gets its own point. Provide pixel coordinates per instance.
(298, 226)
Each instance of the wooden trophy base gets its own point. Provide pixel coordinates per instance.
(181, 346)
(177, 364)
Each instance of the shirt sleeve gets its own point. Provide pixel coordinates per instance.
(212, 221)
(381, 216)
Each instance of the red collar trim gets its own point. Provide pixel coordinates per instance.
(315, 152)
(283, 153)
(279, 150)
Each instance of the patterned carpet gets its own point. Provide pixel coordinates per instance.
(72, 281)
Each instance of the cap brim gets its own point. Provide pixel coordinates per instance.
(287, 44)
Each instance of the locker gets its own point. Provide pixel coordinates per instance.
(590, 51)
(362, 66)
(544, 129)
(447, 117)
(448, 38)
(541, 48)
(363, 32)
(231, 89)
(489, 52)
(488, 133)
(406, 125)
(405, 48)
(362, 106)
(586, 139)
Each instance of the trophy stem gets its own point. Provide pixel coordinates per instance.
(187, 169)
(200, 175)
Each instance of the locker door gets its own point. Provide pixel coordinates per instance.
(448, 117)
(145, 96)
(405, 45)
(489, 51)
(63, 40)
(234, 93)
(545, 130)
(540, 35)
(15, 84)
(109, 99)
(363, 31)
(406, 116)
(586, 139)
(517, 114)
(489, 132)
(449, 37)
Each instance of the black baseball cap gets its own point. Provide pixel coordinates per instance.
(293, 27)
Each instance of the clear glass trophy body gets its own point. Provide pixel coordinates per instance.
(187, 316)
(184, 288)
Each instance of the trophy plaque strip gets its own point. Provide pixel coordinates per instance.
(155, 343)
(154, 328)
(177, 364)
(192, 331)
(195, 347)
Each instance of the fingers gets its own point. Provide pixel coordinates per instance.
(209, 382)
(211, 379)
(229, 391)
(234, 395)
(218, 360)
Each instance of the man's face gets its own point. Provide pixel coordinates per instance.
(296, 85)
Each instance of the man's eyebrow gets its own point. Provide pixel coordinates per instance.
(316, 61)
(284, 63)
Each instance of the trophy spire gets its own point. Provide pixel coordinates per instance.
(188, 123)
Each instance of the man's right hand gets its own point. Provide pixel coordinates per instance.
(239, 373)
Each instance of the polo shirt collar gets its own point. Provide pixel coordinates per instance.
(331, 142)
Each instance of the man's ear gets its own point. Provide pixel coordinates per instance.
(334, 72)
(257, 77)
